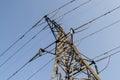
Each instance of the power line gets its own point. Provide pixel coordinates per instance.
(56, 10)
(29, 62)
(37, 55)
(20, 38)
(36, 34)
(17, 71)
(40, 69)
(110, 25)
(37, 71)
(36, 24)
(61, 16)
(107, 56)
(81, 30)
(16, 42)
(105, 53)
(94, 62)
(26, 64)
(98, 17)
(31, 75)
(21, 48)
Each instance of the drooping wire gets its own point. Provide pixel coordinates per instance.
(22, 47)
(40, 69)
(108, 56)
(110, 25)
(77, 28)
(35, 25)
(105, 66)
(107, 51)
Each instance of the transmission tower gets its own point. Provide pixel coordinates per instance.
(69, 64)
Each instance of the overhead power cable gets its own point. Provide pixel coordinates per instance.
(110, 25)
(21, 37)
(61, 16)
(117, 52)
(17, 71)
(108, 56)
(97, 18)
(35, 25)
(56, 10)
(33, 58)
(21, 47)
(40, 69)
(107, 52)
(43, 50)
(27, 64)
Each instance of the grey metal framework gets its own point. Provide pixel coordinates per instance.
(69, 64)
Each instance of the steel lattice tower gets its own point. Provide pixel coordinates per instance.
(69, 64)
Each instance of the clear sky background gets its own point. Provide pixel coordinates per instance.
(17, 16)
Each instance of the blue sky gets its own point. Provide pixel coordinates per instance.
(16, 17)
